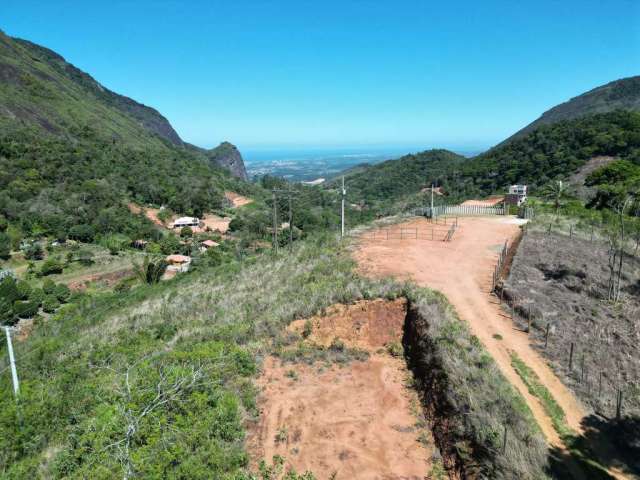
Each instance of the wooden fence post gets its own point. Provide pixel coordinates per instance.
(546, 336)
(571, 358)
(504, 440)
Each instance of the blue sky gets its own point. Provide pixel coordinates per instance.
(460, 74)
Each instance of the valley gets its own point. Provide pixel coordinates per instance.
(173, 311)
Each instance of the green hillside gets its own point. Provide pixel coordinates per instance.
(73, 153)
(623, 94)
(549, 151)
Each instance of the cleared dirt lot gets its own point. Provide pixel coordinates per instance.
(357, 421)
(462, 270)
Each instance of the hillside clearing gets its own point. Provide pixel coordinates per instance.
(355, 420)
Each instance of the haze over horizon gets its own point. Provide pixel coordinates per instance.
(265, 75)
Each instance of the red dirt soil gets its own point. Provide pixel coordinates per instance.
(355, 420)
(462, 270)
(236, 199)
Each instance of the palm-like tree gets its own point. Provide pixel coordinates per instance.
(555, 191)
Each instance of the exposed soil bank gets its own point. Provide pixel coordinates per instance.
(354, 421)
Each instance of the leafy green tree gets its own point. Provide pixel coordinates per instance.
(82, 233)
(24, 289)
(556, 192)
(186, 232)
(5, 246)
(34, 251)
(151, 270)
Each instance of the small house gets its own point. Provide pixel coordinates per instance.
(178, 263)
(207, 244)
(517, 195)
(186, 222)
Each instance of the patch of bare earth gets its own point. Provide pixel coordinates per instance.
(236, 199)
(462, 270)
(352, 421)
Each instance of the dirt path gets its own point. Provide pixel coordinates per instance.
(236, 199)
(353, 421)
(462, 270)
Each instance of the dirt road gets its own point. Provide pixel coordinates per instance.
(354, 421)
(462, 270)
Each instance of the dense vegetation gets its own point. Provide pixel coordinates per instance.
(549, 152)
(623, 94)
(50, 185)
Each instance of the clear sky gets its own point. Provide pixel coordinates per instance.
(460, 74)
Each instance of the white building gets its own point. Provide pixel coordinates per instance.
(186, 222)
(517, 195)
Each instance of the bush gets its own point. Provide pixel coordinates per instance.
(82, 233)
(24, 289)
(62, 293)
(50, 304)
(51, 266)
(3, 224)
(48, 286)
(34, 251)
(37, 296)
(186, 232)
(9, 290)
(26, 309)
(5, 246)
(115, 243)
(84, 256)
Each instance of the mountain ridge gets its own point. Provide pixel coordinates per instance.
(38, 87)
(623, 93)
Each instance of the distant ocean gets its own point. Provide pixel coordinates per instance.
(311, 164)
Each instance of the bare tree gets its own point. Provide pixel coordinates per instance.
(168, 389)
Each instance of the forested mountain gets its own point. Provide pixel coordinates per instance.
(74, 153)
(546, 153)
(623, 94)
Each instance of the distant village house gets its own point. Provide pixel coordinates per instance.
(517, 195)
(186, 222)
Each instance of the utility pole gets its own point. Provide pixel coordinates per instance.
(290, 221)
(432, 213)
(344, 193)
(290, 194)
(275, 222)
(12, 361)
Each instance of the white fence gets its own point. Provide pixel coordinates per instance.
(461, 210)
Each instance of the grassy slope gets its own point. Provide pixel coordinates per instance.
(88, 374)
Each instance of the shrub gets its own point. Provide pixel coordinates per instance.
(62, 293)
(6, 311)
(9, 290)
(34, 251)
(84, 256)
(308, 329)
(25, 309)
(37, 296)
(48, 286)
(50, 304)
(3, 224)
(186, 232)
(24, 289)
(5, 246)
(115, 243)
(51, 266)
(122, 286)
(82, 233)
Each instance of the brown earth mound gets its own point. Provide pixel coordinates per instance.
(355, 421)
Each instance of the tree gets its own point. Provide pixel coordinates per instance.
(5, 246)
(82, 233)
(556, 192)
(150, 271)
(186, 232)
(34, 251)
